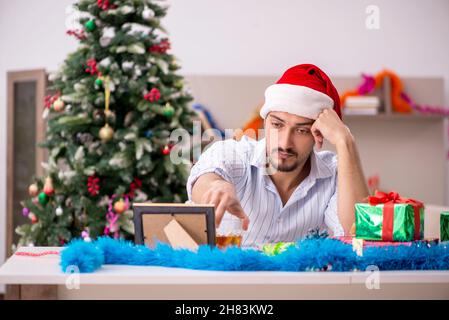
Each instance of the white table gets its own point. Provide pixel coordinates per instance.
(135, 282)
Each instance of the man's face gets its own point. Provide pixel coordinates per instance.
(289, 140)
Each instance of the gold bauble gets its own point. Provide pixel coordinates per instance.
(106, 133)
(58, 105)
(120, 206)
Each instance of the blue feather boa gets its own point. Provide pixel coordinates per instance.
(308, 255)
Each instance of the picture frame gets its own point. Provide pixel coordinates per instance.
(181, 225)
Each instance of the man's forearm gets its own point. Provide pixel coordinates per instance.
(351, 182)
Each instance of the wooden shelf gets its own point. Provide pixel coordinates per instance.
(395, 116)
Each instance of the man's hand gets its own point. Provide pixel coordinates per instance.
(330, 127)
(222, 195)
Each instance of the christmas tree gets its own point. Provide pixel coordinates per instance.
(112, 107)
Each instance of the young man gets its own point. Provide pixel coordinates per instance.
(280, 186)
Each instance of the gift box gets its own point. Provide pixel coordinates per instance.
(389, 217)
(359, 244)
(444, 226)
(272, 249)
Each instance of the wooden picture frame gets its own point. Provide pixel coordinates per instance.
(14, 79)
(174, 223)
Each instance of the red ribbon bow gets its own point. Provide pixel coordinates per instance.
(389, 199)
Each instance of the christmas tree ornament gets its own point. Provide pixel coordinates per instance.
(33, 218)
(168, 110)
(106, 133)
(166, 150)
(58, 105)
(50, 99)
(90, 25)
(25, 212)
(58, 211)
(161, 47)
(105, 5)
(92, 67)
(120, 206)
(43, 198)
(148, 14)
(93, 186)
(48, 186)
(149, 134)
(153, 95)
(136, 184)
(99, 82)
(33, 190)
(79, 34)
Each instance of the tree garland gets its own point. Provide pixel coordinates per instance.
(310, 254)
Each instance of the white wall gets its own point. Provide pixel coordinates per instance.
(246, 37)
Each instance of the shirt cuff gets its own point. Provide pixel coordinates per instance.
(193, 178)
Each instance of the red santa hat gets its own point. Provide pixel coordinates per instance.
(304, 90)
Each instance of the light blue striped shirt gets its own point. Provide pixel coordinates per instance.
(313, 204)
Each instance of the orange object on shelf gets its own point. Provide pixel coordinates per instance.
(399, 104)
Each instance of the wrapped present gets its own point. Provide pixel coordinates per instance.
(272, 249)
(444, 226)
(389, 217)
(359, 244)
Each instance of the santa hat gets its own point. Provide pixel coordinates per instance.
(304, 90)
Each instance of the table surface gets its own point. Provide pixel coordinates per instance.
(46, 270)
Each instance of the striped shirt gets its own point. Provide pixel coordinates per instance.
(313, 204)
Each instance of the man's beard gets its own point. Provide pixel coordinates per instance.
(284, 167)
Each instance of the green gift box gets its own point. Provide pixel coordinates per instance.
(444, 226)
(388, 217)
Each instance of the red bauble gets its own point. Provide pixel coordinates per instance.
(166, 150)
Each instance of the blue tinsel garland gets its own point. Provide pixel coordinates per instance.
(308, 255)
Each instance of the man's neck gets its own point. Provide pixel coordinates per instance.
(286, 182)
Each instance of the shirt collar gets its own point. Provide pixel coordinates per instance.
(319, 168)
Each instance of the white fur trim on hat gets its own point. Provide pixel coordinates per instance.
(302, 101)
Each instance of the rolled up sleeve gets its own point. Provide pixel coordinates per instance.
(223, 158)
